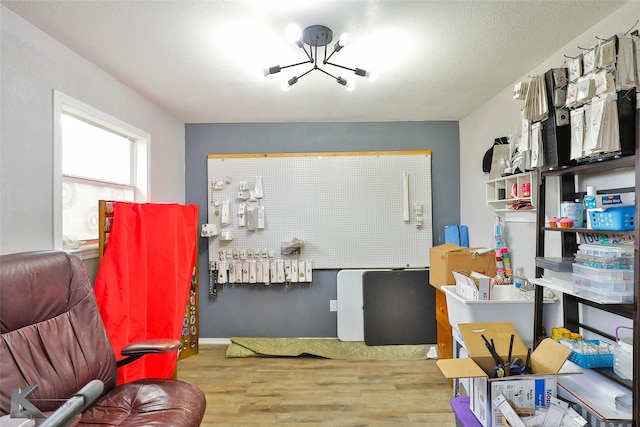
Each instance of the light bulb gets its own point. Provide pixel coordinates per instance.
(293, 33)
(351, 85)
(345, 39)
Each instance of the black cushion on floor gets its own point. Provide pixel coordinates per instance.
(399, 307)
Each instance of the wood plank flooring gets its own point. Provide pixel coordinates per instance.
(312, 391)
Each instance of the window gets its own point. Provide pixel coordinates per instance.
(96, 157)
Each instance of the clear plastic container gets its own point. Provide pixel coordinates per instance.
(604, 297)
(597, 261)
(518, 278)
(603, 285)
(623, 355)
(602, 274)
(610, 251)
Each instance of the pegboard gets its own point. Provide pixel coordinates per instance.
(347, 207)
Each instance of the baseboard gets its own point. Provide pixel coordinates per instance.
(218, 341)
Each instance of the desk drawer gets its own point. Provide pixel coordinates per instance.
(445, 341)
(442, 316)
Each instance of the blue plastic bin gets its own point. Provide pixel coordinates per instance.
(616, 218)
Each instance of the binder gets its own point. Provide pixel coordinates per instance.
(556, 132)
(456, 234)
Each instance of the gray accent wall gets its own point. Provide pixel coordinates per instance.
(302, 310)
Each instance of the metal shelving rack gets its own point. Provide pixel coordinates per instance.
(572, 303)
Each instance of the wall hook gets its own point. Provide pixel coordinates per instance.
(634, 25)
(626, 95)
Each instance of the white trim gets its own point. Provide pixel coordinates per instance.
(56, 180)
(63, 102)
(205, 341)
(210, 341)
(85, 253)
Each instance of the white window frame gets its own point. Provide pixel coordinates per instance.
(63, 103)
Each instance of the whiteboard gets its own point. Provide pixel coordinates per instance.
(348, 208)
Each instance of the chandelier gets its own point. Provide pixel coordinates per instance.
(309, 40)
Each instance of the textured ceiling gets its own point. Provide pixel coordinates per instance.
(202, 61)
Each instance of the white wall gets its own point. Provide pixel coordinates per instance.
(500, 116)
(32, 65)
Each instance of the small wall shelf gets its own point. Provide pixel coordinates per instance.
(506, 194)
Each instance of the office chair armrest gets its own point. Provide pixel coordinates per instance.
(138, 349)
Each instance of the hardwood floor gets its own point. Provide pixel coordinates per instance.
(312, 391)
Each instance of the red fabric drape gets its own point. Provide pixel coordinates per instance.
(144, 278)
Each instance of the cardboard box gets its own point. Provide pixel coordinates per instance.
(525, 393)
(531, 391)
(472, 285)
(444, 259)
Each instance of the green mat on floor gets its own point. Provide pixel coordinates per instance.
(328, 348)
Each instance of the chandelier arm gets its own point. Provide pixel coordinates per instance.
(327, 58)
(294, 65)
(309, 55)
(340, 66)
(307, 72)
(327, 73)
(315, 53)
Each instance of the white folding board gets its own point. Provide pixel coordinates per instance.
(350, 312)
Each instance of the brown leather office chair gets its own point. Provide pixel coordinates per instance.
(53, 336)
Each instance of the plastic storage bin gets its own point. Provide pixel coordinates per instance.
(617, 218)
(605, 256)
(604, 286)
(604, 297)
(607, 262)
(623, 355)
(561, 264)
(613, 251)
(519, 312)
(595, 360)
(464, 415)
(602, 274)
